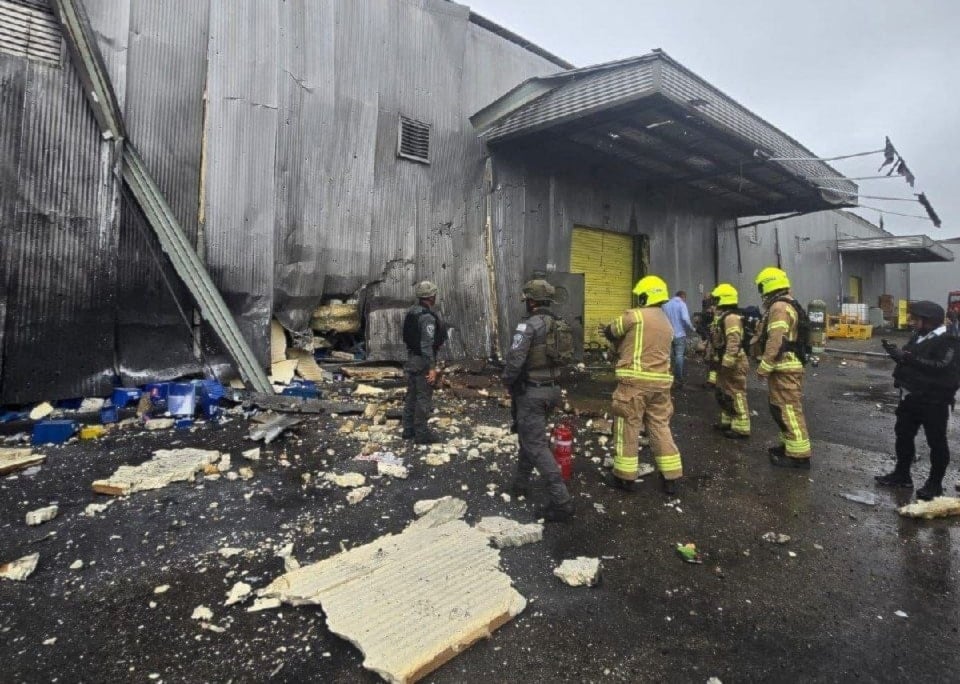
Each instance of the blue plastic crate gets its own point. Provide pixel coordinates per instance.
(53, 431)
(109, 413)
(306, 389)
(125, 395)
(182, 399)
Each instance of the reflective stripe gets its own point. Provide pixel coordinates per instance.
(764, 366)
(670, 463)
(725, 419)
(624, 465)
(801, 445)
(741, 422)
(637, 341)
(643, 375)
(712, 377)
(735, 329)
(779, 325)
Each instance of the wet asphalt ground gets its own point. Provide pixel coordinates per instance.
(822, 607)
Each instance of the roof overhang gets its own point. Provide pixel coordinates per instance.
(908, 249)
(669, 127)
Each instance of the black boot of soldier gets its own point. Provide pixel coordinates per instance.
(554, 512)
(895, 479)
(930, 490)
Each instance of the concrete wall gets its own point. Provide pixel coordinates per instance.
(807, 247)
(934, 281)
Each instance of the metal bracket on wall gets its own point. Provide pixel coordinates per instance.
(186, 262)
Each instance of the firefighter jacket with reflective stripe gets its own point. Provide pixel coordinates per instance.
(779, 324)
(643, 338)
(731, 336)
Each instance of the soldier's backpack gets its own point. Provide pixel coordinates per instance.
(559, 342)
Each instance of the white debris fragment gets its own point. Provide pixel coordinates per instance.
(245, 473)
(776, 538)
(166, 466)
(230, 551)
(504, 532)
(436, 459)
(355, 496)
(645, 469)
(285, 551)
(474, 454)
(20, 569)
(367, 391)
(50, 642)
(202, 613)
(237, 593)
(901, 614)
(264, 604)
(426, 505)
(792, 554)
(506, 497)
(580, 571)
(92, 509)
(159, 424)
(939, 507)
(714, 680)
(290, 564)
(76, 565)
(346, 480)
(41, 411)
(42, 515)
(252, 454)
(223, 465)
(162, 589)
(392, 470)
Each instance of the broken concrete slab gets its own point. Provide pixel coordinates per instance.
(362, 390)
(159, 424)
(42, 515)
(278, 343)
(272, 429)
(454, 593)
(264, 604)
(579, 572)
(436, 459)
(392, 470)
(939, 507)
(372, 373)
(346, 479)
(357, 495)
(202, 613)
(281, 372)
(504, 532)
(92, 509)
(20, 569)
(245, 473)
(307, 367)
(41, 411)
(166, 466)
(238, 592)
(18, 458)
(442, 510)
(251, 454)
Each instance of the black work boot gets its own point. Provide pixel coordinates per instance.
(731, 434)
(894, 479)
(670, 487)
(930, 490)
(554, 512)
(408, 433)
(519, 488)
(612, 480)
(428, 437)
(779, 458)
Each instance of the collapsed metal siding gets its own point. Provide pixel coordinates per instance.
(60, 229)
(537, 204)
(164, 116)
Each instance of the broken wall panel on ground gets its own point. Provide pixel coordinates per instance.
(60, 209)
(164, 112)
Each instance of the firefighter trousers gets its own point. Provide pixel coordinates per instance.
(786, 407)
(732, 396)
(636, 406)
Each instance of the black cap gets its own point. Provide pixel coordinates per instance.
(928, 310)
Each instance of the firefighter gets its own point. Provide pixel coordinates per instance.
(777, 348)
(530, 374)
(643, 337)
(707, 332)
(423, 334)
(731, 358)
(928, 375)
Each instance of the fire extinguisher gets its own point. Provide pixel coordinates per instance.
(561, 443)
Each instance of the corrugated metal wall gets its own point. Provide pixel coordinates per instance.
(538, 201)
(808, 254)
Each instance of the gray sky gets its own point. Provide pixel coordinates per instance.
(837, 75)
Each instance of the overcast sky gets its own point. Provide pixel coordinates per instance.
(837, 75)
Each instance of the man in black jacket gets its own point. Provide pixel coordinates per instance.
(928, 375)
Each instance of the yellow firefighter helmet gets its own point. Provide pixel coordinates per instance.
(651, 290)
(725, 294)
(772, 279)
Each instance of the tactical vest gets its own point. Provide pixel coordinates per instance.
(937, 383)
(411, 330)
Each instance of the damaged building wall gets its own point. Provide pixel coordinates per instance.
(538, 201)
(59, 209)
(807, 246)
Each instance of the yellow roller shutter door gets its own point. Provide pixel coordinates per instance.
(606, 260)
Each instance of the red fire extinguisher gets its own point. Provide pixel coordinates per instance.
(561, 442)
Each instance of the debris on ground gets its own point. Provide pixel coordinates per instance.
(159, 424)
(776, 537)
(273, 428)
(252, 454)
(76, 565)
(357, 495)
(866, 498)
(393, 470)
(42, 515)
(688, 552)
(264, 604)
(504, 532)
(940, 507)
(363, 390)
(372, 373)
(202, 613)
(245, 473)
(18, 458)
(41, 411)
(579, 572)
(900, 614)
(20, 569)
(645, 469)
(166, 466)
(92, 509)
(436, 458)
(437, 511)
(238, 592)
(346, 479)
(454, 594)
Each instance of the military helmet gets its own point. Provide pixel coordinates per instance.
(772, 279)
(425, 289)
(725, 294)
(927, 310)
(539, 290)
(651, 290)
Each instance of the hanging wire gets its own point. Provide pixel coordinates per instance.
(876, 197)
(824, 159)
(892, 213)
(845, 178)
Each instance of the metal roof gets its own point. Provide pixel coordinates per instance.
(907, 249)
(672, 127)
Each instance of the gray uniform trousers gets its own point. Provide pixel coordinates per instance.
(418, 404)
(533, 406)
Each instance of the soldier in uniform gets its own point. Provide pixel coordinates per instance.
(643, 337)
(781, 367)
(423, 334)
(728, 345)
(532, 380)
